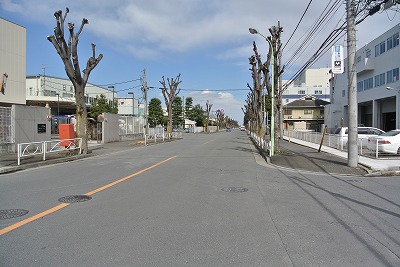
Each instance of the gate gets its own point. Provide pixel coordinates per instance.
(6, 135)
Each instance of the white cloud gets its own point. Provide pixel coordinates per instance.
(176, 26)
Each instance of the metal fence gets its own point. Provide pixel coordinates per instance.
(6, 136)
(131, 125)
(46, 147)
(337, 142)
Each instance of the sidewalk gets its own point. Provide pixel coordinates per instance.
(8, 161)
(299, 153)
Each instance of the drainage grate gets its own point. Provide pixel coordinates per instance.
(235, 189)
(12, 213)
(74, 199)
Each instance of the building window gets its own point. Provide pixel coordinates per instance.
(368, 83)
(380, 79)
(64, 87)
(389, 43)
(343, 93)
(358, 59)
(318, 92)
(392, 75)
(302, 92)
(367, 53)
(380, 49)
(360, 86)
(396, 40)
(307, 111)
(287, 112)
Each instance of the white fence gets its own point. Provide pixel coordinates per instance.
(46, 147)
(158, 134)
(337, 142)
(131, 125)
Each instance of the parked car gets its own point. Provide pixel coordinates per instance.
(242, 128)
(388, 142)
(363, 134)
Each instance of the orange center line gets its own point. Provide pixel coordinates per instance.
(63, 205)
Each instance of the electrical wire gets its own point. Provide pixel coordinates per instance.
(298, 24)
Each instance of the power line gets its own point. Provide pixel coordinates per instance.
(298, 24)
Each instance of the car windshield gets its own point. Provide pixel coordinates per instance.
(391, 133)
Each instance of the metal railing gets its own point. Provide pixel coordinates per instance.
(339, 143)
(44, 148)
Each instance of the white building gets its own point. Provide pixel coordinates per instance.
(129, 106)
(312, 82)
(59, 94)
(12, 63)
(378, 64)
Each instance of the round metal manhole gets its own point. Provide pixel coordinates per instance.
(12, 213)
(74, 199)
(235, 189)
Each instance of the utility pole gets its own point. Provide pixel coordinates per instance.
(44, 79)
(352, 156)
(144, 88)
(279, 74)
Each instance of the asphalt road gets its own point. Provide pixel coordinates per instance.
(205, 200)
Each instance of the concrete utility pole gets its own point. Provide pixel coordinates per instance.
(279, 74)
(352, 156)
(144, 88)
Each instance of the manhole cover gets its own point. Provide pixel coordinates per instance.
(235, 189)
(354, 181)
(74, 199)
(12, 213)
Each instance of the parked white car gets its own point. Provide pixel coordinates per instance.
(388, 142)
(363, 134)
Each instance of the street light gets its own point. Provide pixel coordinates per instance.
(272, 130)
(113, 90)
(58, 105)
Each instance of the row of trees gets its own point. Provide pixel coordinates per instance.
(257, 104)
(68, 52)
(180, 113)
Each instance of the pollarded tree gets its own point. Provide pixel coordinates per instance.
(169, 94)
(155, 112)
(69, 55)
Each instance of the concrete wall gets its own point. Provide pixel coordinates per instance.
(13, 62)
(110, 128)
(31, 124)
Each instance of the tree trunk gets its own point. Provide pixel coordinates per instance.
(81, 116)
(169, 124)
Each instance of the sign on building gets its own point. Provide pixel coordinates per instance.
(337, 59)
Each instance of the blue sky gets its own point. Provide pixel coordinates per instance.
(206, 41)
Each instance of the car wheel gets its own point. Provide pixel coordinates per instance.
(398, 151)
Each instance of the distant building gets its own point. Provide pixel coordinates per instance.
(378, 64)
(12, 63)
(59, 94)
(129, 106)
(312, 82)
(307, 111)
